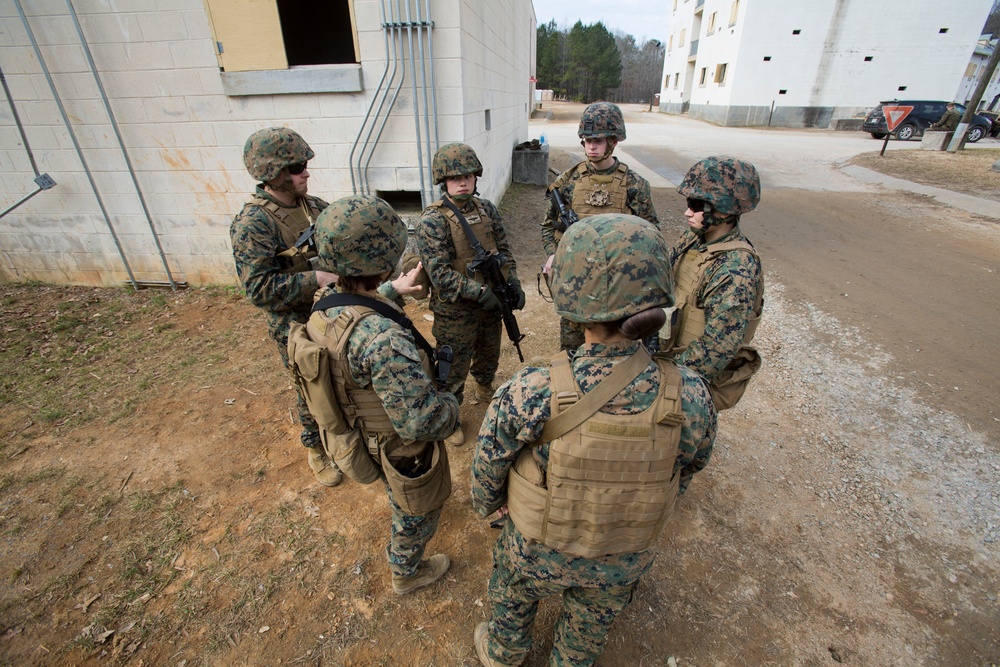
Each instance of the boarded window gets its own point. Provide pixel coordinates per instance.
(711, 23)
(720, 74)
(683, 35)
(704, 75)
(734, 12)
(252, 35)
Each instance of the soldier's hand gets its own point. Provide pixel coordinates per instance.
(547, 267)
(488, 300)
(516, 284)
(324, 278)
(412, 283)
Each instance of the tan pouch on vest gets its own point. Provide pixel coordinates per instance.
(728, 386)
(350, 452)
(427, 491)
(310, 364)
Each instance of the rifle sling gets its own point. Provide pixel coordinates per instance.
(380, 307)
(620, 377)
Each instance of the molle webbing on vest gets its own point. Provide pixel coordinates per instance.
(689, 279)
(291, 221)
(362, 408)
(600, 193)
(610, 484)
(481, 226)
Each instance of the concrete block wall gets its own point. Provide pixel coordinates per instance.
(184, 135)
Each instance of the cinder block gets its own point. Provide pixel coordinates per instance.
(935, 140)
(530, 166)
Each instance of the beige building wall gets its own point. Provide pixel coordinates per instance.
(184, 123)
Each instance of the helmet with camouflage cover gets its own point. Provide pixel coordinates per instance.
(602, 119)
(610, 266)
(455, 160)
(269, 151)
(360, 235)
(730, 185)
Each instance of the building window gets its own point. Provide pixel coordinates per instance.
(901, 88)
(943, 30)
(704, 75)
(677, 78)
(734, 12)
(680, 42)
(670, 44)
(489, 122)
(278, 34)
(868, 59)
(970, 71)
(720, 74)
(796, 32)
(767, 59)
(666, 81)
(711, 23)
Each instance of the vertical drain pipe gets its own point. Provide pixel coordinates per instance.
(430, 54)
(416, 107)
(423, 86)
(402, 77)
(76, 143)
(121, 142)
(371, 105)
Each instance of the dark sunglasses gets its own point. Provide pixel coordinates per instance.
(698, 206)
(296, 169)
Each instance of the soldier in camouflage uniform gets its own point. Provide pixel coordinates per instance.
(277, 278)
(600, 184)
(720, 283)
(611, 276)
(362, 239)
(466, 311)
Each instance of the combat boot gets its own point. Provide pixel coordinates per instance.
(481, 637)
(456, 439)
(326, 472)
(429, 571)
(484, 392)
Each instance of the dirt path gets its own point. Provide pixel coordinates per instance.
(155, 507)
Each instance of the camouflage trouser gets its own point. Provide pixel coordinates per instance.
(570, 335)
(582, 628)
(408, 538)
(310, 430)
(474, 336)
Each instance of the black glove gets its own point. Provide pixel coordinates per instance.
(516, 285)
(488, 300)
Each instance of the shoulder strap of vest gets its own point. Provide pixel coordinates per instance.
(380, 307)
(579, 412)
(469, 234)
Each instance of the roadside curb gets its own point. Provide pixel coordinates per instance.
(978, 205)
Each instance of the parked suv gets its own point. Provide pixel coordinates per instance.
(924, 114)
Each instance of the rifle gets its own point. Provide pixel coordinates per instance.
(567, 216)
(490, 264)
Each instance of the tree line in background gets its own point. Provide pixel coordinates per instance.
(588, 63)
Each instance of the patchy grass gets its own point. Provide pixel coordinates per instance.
(968, 171)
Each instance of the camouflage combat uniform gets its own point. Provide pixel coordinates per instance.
(734, 282)
(948, 121)
(460, 321)
(284, 297)
(601, 119)
(594, 589)
(383, 356)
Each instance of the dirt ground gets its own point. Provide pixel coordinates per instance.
(156, 507)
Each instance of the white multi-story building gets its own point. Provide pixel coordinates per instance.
(807, 64)
(138, 111)
(975, 71)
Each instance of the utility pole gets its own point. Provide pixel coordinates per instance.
(970, 110)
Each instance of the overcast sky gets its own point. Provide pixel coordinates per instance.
(643, 19)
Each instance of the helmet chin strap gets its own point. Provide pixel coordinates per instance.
(611, 144)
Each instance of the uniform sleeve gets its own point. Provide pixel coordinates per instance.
(699, 428)
(728, 296)
(417, 409)
(638, 198)
(256, 244)
(500, 237)
(552, 222)
(436, 252)
(515, 418)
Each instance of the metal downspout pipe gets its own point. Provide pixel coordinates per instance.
(426, 192)
(430, 55)
(121, 143)
(76, 143)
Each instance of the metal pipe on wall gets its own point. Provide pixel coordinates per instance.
(430, 55)
(371, 105)
(423, 85)
(425, 200)
(42, 181)
(76, 142)
(397, 30)
(121, 143)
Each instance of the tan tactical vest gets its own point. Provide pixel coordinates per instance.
(689, 278)
(371, 436)
(600, 193)
(291, 222)
(610, 484)
(479, 223)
